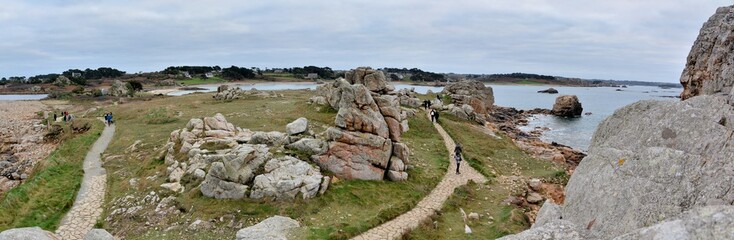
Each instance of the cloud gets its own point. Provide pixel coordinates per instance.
(626, 39)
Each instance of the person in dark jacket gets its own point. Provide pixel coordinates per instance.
(457, 157)
(436, 116)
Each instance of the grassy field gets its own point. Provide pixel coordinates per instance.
(493, 157)
(347, 209)
(49, 193)
(197, 81)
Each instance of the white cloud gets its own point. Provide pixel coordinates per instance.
(625, 39)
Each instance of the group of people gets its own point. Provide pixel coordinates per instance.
(66, 116)
(108, 118)
(426, 104)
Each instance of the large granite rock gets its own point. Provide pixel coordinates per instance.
(556, 230)
(368, 124)
(298, 126)
(374, 80)
(274, 228)
(472, 93)
(285, 178)
(118, 89)
(710, 64)
(98, 234)
(309, 146)
(226, 161)
(29, 233)
(567, 106)
(711, 222)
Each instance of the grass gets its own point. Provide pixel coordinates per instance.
(347, 209)
(50, 191)
(198, 81)
(493, 157)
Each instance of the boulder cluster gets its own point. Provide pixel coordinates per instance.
(365, 144)
(233, 163)
(225, 92)
(118, 89)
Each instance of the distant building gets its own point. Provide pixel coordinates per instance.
(76, 74)
(186, 74)
(209, 75)
(312, 76)
(278, 71)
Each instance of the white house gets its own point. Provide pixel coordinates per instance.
(312, 76)
(209, 75)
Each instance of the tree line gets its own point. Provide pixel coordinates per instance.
(416, 74)
(77, 76)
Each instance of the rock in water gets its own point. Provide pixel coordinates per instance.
(549, 90)
(567, 106)
(29, 233)
(98, 234)
(298, 126)
(710, 64)
(276, 228)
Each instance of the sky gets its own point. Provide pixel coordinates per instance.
(622, 39)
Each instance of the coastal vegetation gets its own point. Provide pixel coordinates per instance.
(348, 208)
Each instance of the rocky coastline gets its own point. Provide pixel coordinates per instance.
(22, 144)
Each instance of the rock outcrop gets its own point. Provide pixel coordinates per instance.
(118, 89)
(227, 93)
(226, 161)
(29, 233)
(710, 64)
(98, 234)
(369, 126)
(62, 81)
(472, 93)
(276, 228)
(648, 164)
(567, 106)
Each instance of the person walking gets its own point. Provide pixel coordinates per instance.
(433, 115)
(436, 115)
(107, 119)
(457, 157)
(54, 117)
(110, 118)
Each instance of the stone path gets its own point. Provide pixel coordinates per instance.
(88, 204)
(432, 203)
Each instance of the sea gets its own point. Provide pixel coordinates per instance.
(601, 102)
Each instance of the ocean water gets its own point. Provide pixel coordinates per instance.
(575, 132)
(18, 97)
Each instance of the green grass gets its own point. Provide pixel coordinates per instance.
(347, 209)
(50, 191)
(492, 157)
(198, 81)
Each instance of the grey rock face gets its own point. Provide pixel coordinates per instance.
(29, 233)
(556, 230)
(710, 65)
(567, 106)
(548, 212)
(98, 234)
(276, 228)
(309, 145)
(374, 80)
(653, 160)
(269, 138)
(285, 178)
(712, 222)
(298, 126)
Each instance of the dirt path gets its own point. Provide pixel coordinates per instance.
(88, 204)
(432, 203)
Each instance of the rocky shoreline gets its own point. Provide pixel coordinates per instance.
(21, 141)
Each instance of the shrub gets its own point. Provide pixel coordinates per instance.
(78, 90)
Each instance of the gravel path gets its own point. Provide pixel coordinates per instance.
(88, 204)
(432, 203)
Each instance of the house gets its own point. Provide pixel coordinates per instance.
(209, 75)
(186, 74)
(278, 71)
(312, 76)
(76, 74)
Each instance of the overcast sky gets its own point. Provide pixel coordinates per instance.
(623, 39)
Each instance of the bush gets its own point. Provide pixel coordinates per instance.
(78, 90)
(97, 92)
(134, 86)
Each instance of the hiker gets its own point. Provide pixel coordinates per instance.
(64, 114)
(428, 104)
(107, 119)
(54, 116)
(425, 104)
(438, 97)
(433, 115)
(457, 157)
(110, 118)
(436, 115)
